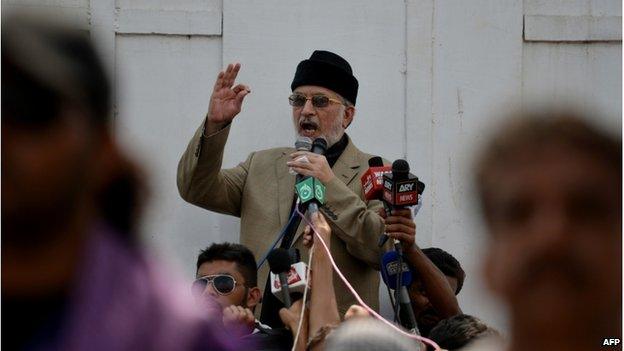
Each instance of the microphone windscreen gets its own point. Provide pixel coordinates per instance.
(319, 146)
(303, 143)
(279, 261)
(375, 162)
(400, 166)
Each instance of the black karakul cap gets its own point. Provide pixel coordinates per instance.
(327, 70)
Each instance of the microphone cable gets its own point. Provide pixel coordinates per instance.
(279, 237)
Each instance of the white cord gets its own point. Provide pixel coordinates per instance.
(305, 294)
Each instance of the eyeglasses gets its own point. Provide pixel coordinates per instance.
(223, 284)
(298, 100)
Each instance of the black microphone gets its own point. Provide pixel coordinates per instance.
(279, 263)
(375, 161)
(401, 189)
(319, 146)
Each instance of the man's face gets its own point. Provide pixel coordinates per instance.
(329, 121)
(555, 251)
(426, 316)
(46, 169)
(237, 297)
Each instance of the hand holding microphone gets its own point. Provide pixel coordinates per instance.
(400, 226)
(316, 164)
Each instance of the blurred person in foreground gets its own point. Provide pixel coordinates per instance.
(73, 277)
(550, 189)
(226, 273)
(438, 276)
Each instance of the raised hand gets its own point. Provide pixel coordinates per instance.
(226, 101)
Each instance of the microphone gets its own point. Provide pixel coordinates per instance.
(393, 269)
(372, 179)
(400, 187)
(301, 144)
(319, 146)
(286, 278)
(279, 263)
(390, 269)
(310, 190)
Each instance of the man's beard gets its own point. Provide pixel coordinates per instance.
(332, 136)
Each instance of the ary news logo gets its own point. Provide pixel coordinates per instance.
(611, 342)
(387, 184)
(406, 187)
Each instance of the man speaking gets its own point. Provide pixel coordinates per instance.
(260, 190)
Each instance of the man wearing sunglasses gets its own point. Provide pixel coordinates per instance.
(226, 275)
(260, 190)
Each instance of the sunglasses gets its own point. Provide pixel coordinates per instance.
(223, 284)
(298, 100)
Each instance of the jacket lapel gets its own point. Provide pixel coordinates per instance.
(285, 187)
(347, 165)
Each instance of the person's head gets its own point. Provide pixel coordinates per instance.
(55, 114)
(456, 332)
(368, 334)
(426, 316)
(226, 273)
(549, 185)
(324, 94)
(58, 155)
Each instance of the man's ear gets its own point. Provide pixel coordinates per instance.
(253, 297)
(349, 113)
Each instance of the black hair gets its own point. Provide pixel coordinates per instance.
(455, 332)
(447, 264)
(240, 254)
(59, 66)
(536, 131)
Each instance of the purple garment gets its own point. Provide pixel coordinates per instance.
(120, 302)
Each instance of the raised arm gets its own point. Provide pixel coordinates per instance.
(200, 179)
(399, 225)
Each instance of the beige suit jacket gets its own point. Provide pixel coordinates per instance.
(260, 191)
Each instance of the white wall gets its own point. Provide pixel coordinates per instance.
(431, 73)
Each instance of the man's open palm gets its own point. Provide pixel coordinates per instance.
(226, 101)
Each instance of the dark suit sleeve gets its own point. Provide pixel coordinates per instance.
(200, 178)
